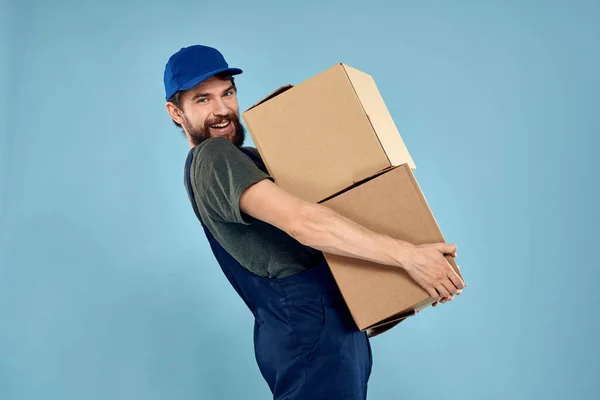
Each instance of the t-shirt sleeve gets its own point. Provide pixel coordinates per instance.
(221, 173)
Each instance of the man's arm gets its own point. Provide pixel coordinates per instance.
(324, 229)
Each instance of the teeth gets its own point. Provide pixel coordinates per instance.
(221, 125)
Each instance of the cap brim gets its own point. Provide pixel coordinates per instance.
(199, 79)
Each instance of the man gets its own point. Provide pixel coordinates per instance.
(269, 243)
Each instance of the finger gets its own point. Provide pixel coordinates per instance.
(450, 298)
(455, 279)
(442, 291)
(435, 303)
(449, 286)
(432, 293)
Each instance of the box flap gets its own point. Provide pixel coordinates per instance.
(423, 305)
(372, 332)
(376, 331)
(358, 183)
(394, 318)
(272, 94)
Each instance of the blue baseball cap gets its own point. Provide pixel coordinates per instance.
(191, 66)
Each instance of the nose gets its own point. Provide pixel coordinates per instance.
(220, 109)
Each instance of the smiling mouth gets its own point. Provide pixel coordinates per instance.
(222, 125)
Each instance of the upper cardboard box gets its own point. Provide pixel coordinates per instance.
(325, 134)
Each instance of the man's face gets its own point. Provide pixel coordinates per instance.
(211, 109)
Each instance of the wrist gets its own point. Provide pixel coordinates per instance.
(400, 252)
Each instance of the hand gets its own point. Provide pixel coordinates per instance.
(445, 299)
(428, 267)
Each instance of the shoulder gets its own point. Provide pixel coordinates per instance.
(219, 148)
(214, 145)
(217, 151)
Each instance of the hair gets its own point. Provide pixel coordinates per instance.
(176, 98)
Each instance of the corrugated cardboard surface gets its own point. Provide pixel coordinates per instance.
(391, 203)
(316, 138)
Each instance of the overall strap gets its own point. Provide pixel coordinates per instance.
(224, 259)
(188, 181)
(259, 163)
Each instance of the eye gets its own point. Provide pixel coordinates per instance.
(230, 93)
(202, 100)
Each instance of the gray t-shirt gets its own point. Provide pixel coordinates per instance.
(220, 173)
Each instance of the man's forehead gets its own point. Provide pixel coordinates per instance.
(211, 84)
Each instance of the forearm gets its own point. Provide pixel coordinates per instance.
(324, 229)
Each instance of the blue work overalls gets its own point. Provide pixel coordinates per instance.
(307, 346)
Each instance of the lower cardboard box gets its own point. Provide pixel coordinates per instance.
(378, 296)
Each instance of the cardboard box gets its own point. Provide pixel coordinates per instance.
(325, 134)
(391, 203)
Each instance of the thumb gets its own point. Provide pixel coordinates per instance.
(446, 248)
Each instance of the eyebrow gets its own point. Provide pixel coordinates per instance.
(197, 95)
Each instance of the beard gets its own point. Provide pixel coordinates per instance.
(199, 134)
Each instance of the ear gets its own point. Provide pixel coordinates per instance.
(174, 112)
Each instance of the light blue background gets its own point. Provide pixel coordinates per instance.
(108, 289)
